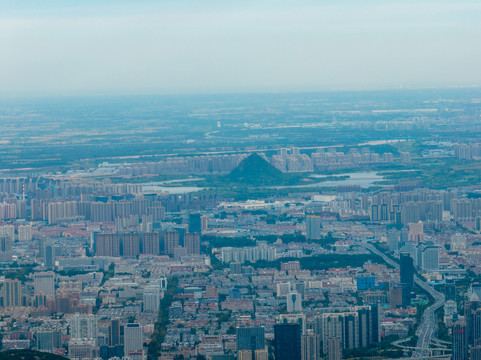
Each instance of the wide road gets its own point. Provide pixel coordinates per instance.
(428, 327)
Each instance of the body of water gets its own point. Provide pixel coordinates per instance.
(363, 179)
(157, 186)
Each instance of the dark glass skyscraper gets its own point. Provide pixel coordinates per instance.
(407, 278)
(460, 342)
(114, 333)
(195, 223)
(407, 270)
(49, 252)
(364, 318)
(472, 316)
(374, 324)
(287, 341)
(250, 338)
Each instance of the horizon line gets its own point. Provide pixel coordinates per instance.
(122, 93)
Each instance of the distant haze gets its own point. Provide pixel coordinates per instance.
(177, 46)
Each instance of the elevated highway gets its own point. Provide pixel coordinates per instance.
(428, 326)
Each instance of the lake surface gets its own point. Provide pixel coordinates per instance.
(157, 186)
(381, 142)
(363, 179)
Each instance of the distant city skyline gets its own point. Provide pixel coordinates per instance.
(122, 47)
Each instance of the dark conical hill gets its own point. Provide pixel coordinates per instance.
(256, 170)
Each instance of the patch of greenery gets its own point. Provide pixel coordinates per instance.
(360, 353)
(216, 263)
(224, 317)
(20, 273)
(27, 354)
(442, 333)
(160, 328)
(110, 273)
(218, 241)
(321, 262)
(71, 272)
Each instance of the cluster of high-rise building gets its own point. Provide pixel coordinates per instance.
(249, 254)
(396, 206)
(467, 151)
(250, 343)
(423, 205)
(51, 187)
(98, 211)
(424, 253)
(466, 330)
(81, 333)
(292, 160)
(134, 244)
(88, 340)
(334, 330)
(208, 164)
(8, 211)
(286, 160)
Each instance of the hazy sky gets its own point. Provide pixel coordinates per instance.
(175, 46)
